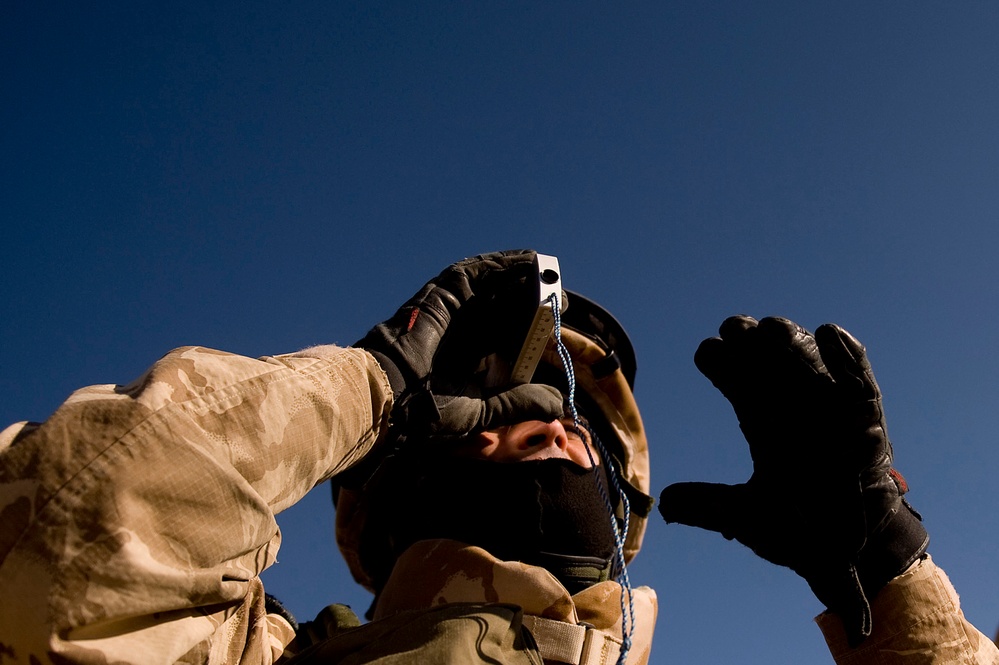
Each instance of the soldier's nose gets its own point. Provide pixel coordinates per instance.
(536, 435)
(530, 440)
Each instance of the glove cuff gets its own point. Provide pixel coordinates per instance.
(395, 377)
(891, 550)
(887, 553)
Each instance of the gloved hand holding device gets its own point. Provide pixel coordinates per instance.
(823, 498)
(479, 294)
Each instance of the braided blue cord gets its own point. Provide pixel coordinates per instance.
(620, 534)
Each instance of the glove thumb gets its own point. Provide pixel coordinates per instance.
(460, 416)
(710, 506)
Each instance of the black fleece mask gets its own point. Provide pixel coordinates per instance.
(543, 512)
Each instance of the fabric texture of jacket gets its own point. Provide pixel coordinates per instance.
(136, 520)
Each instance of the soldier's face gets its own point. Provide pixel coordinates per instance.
(532, 440)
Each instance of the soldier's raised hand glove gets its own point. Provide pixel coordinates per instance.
(823, 498)
(480, 297)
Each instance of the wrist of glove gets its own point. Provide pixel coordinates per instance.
(823, 499)
(444, 324)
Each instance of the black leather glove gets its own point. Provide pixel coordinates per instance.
(823, 498)
(442, 332)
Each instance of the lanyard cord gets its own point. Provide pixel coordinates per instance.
(620, 534)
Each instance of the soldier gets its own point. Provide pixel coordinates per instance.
(553, 507)
(494, 523)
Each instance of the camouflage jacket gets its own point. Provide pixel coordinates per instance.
(136, 519)
(454, 603)
(917, 620)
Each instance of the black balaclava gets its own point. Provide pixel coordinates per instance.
(551, 513)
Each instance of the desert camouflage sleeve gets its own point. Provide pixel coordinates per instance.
(135, 521)
(917, 620)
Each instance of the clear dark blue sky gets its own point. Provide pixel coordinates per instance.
(259, 177)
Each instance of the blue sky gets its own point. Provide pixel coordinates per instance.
(258, 177)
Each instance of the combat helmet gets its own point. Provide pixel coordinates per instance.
(604, 367)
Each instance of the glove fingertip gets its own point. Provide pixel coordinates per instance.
(675, 501)
(737, 325)
(846, 358)
(707, 506)
(708, 356)
(829, 334)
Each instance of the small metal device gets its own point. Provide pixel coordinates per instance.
(549, 283)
